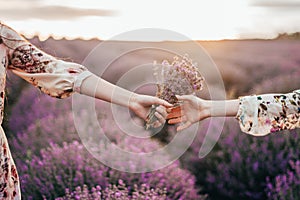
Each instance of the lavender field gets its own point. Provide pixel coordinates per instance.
(53, 163)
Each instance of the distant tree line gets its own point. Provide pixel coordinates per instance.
(294, 36)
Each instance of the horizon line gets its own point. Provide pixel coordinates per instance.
(284, 35)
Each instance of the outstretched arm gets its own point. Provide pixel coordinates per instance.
(140, 104)
(60, 79)
(258, 115)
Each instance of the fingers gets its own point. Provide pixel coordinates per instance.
(174, 115)
(160, 118)
(185, 123)
(174, 109)
(162, 110)
(184, 97)
(174, 120)
(177, 120)
(156, 124)
(184, 126)
(162, 102)
(174, 112)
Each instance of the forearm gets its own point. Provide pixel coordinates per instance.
(99, 88)
(219, 108)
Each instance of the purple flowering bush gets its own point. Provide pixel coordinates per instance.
(286, 186)
(119, 191)
(58, 168)
(34, 105)
(238, 165)
(41, 133)
(70, 166)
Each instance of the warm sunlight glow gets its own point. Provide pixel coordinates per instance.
(197, 20)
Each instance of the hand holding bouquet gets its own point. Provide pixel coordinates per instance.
(179, 77)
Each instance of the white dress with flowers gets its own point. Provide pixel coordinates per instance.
(54, 77)
(260, 115)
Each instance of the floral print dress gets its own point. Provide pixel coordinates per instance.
(263, 114)
(54, 77)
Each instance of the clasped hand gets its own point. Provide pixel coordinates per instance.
(191, 109)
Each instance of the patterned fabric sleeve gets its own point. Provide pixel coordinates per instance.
(54, 77)
(263, 114)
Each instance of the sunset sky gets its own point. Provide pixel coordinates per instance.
(196, 19)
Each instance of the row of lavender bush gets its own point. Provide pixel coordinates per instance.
(70, 166)
(239, 166)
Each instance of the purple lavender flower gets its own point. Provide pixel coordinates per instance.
(286, 186)
(119, 191)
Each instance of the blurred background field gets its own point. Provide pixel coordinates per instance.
(40, 128)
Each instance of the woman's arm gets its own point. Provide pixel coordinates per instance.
(258, 115)
(61, 79)
(140, 104)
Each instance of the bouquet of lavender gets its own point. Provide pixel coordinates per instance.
(179, 77)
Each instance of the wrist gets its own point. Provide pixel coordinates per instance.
(133, 101)
(206, 108)
(223, 108)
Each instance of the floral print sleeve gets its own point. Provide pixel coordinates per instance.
(54, 77)
(260, 115)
